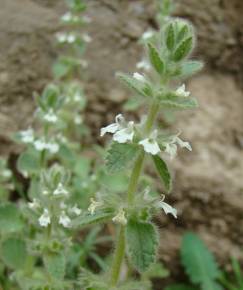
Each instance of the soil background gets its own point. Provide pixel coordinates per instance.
(208, 187)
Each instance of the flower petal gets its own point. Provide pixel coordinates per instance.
(150, 146)
(112, 128)
(124, 135)
(167, 208)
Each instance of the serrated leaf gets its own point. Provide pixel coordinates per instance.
(172, 101)
(140, 88)
(87, 220)
(142, 243)
(170, 37)
(198, 261)
(120, 156)
(29, 162)
(189, 68)
(55, 265)
(10, 219)
(14, 253)
(163, 171)
(155, 59)
(183, 49)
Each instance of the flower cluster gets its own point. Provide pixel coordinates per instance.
(53, 207)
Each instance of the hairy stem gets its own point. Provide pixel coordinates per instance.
(132, 187)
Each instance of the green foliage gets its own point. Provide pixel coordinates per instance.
(189, 68)
(172, 101)
(183, 49)
(29, 162)
(142, 243)
(140, 88)
(14, 253)
(170, 37)
(55, 264)
(155, 59)
(120, 156)
(87, 220)
(179, 287)
(163, 171)
(199, 263)
(10, 219)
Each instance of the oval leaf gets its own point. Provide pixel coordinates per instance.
(142, 243)
(155, 59)
(163, 172)
(183, 50)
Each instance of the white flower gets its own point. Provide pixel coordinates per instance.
(150, 144)
(67, 17)
(64, 220)
(171, 147)
(75, 210)
(120, 218)
(86, 37)
(126, 134)
(122, 131)
(143, 64)
(60, 190)
(50, 117)
(45, 219)
(112, 128)
(52, 147)
(139, 77)
(45, 192)
(40, 145)
(166, 207)
(147, 34)
(34, 204)
(77, 97)
(181, 91)
(71, 38)
(61, 37)
(93, 205)
(183, 144)
(27, 136)
(78, 120)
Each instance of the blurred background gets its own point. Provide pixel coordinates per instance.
(208, 183)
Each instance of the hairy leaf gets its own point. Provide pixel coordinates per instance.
(163, 171)
(170, 37)
(14, 253)
(55, 264)
(140, 88)
(29, 162)
(155, 59)
(120, 156)
(199, 263)
(178, 103)
(142, 242)
(189, 68)
(83, 221)
(10, 219)
(183, 49)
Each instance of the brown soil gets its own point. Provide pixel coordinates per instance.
(208, 183)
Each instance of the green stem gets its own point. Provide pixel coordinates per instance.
(132, 187)
(118, 257)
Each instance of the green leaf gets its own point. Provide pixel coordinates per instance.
(14, 253)
(163, 171)
(183, 31)
(55, 265)
(10, 219)
(183, 50)
(172, 101)
(179, 287)
(133, 104)
(189, 68)
(142, 243)
(155, 59)
(29, 162)
(156, 270)
(199, 263)
(170, 37)
(120, 156)
(142, 89)
(87, 220)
